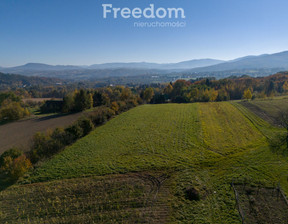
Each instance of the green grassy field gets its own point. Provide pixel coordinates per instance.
(145, 138)
(138, 165)
(225, 130)
(154, 138)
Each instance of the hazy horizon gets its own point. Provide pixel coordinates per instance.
(120, 62)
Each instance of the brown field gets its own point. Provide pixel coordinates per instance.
(19, 134)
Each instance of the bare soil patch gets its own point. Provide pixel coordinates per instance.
(20, 133)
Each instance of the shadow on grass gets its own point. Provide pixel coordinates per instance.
(50, 117)
(54, 116)
(5, 182)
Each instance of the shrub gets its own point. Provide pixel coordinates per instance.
(54, 146)
(39, 147)
(101, 114)
(139, 100)
(130, 104)
(122, 106)
(115, 106)
(6, 165)
(12, 111)
(247, 95)
(148, 94)
(74, 132)
(8, 96)
(108, 112)
(86, 125)
(16, 168)
(46, 145)
(20, 166)
(13, 153)
(60, 136)
(192, 194)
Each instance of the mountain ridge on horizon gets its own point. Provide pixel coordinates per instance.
(278, 61)
(67, 66)
(144, 64)
(263, 61)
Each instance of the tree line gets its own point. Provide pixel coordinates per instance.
(209, 89)
(106, 103)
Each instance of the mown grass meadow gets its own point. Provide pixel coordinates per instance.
(146, 158)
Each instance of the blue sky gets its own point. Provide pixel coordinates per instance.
(75, 32)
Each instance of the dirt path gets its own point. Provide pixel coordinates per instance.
(19, 133)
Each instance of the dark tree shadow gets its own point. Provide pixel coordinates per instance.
(5, 182)
(52, 117)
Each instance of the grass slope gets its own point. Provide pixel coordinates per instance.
(155, 137)
(145, 138)
(205, 146)
(225, 130)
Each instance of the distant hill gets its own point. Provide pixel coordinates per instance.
(261, 65)
(39, 67)
(97, 71)
(195, 63)
(92, 74)
(105, 70)
(144, 65)
(134, 65)
(12, 81)
(266, 61)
